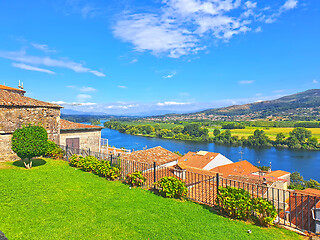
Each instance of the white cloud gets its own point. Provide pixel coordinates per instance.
(134, 60)
(289, 4)
(168, 76)
(73, 103)
(43, 47)
(87, 89)
(246, 81)
(83, 97)
(122, 106)
(171, 103)
(21, 56)
(122, 86)
(250, 4)
(31, 68)
(258, 29)
(182, 27)
(278, 91)
(314, 81)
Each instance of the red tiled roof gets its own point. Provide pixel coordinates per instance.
(318, 205)
(67, 125)
(311, 191)
(277, 174)
(195, 160)
(3, 87)
(156, 154)
(237, 168)
(8, 98)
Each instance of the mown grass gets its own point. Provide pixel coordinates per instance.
(55, 201)
(270, 131)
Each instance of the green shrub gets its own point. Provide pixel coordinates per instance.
(171, 187)
(54, 151)
(135, 179)
(264, 211)
(29, 142)
(90, 163)
(74, 160)
(234, 202)
(237, 203)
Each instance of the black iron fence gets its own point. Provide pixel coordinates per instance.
(295, 208)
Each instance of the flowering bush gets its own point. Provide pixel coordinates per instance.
(135, 179)
(264, 211)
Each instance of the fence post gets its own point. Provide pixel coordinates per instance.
(111, 160)
(154, 172)
(89, 152)
(218, 180)
(67, 153)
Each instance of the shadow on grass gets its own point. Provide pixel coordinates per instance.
(35, 163)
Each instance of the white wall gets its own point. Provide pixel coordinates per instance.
(219, 160)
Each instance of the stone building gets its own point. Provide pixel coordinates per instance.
(17, 110)
(79, 135)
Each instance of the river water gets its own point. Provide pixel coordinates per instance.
(307, 163)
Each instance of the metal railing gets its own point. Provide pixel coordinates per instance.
(105, 147)
(295, 209)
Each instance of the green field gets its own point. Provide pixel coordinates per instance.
(56, 201)
(270, 131)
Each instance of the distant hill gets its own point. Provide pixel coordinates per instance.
(306, 99)
(300, 106)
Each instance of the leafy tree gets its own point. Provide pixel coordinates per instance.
(157, 127)
(313, 141)
(29, 142)
(280, 138)
(216, 132)
(296, 179)
(300, 133)
(177, 129)
(312, 184)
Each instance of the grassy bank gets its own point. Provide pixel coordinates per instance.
(55, 201)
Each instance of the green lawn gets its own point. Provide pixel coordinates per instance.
(55, 201)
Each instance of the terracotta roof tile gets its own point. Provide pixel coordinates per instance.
(237, 168)
(3, 87)
(8, 98)
(67, 125)
(311, 191)
(156, 154)
(193, 159)
(277, 174)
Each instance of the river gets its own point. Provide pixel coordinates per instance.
(307, 163)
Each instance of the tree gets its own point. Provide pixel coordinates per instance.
(280, 137)
(216, 132)
(177, 129)
(29, 142)
(300, 133)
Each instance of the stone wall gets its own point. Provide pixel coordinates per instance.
(12, 118)
(90, 138)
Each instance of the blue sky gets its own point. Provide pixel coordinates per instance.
(133, 57)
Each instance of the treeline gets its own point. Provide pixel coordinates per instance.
(297, 182)
(299, 138)
(192, 131)
(276, 124)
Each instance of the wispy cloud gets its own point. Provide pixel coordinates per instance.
(31, 68)
(246, 82)
(87, 89)
(315, 81)
(180, 27)
(168, 76)
(134, 60)
(22, 57)
(43, 47)
(62, 103)
(122, 86)
(171, 103)
(121, 106)
(83, 97)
